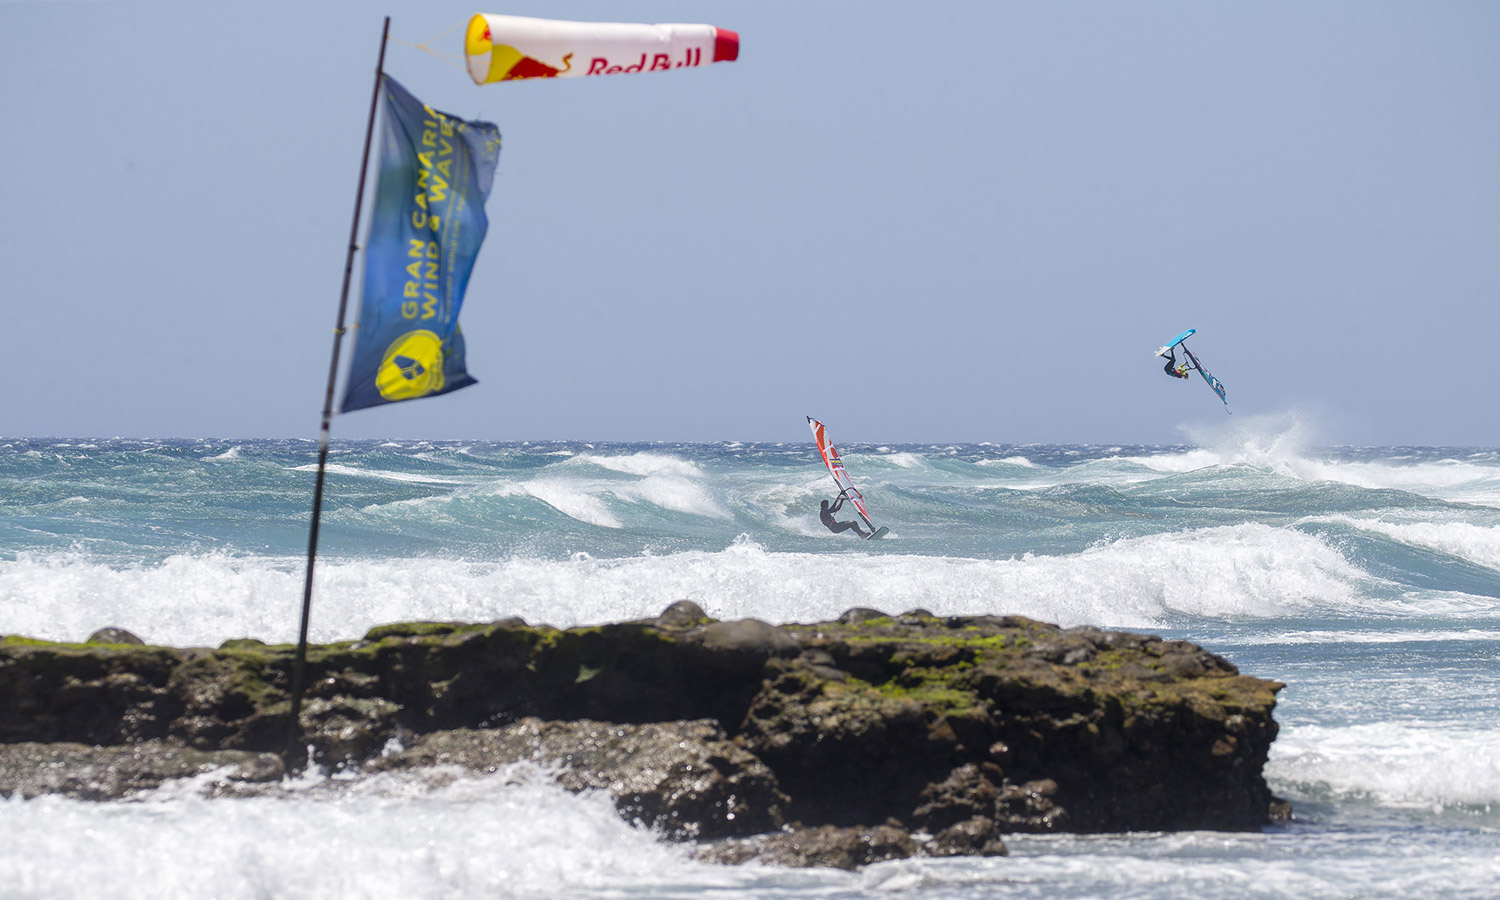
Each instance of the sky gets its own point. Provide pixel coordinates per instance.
(919, 222)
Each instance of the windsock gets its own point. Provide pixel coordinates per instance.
(511, 48)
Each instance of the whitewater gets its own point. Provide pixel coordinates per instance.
(1365, 578)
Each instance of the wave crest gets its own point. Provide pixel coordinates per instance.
(1395, 764)
(1244, 571)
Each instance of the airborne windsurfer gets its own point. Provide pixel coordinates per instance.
(825, 514)
(1191, 365)
(1173, 369)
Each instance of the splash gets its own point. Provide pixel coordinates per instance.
(1246, 571)
(643, 464)
(1393, 763)
(404, 836)
(1273, 442)
(1478, 544)
(572, 500)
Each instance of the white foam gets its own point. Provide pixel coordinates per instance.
(1114, 470)
(433, 510)
(568, 498)
(644, 463)
(186, 600)
(412, 477)
(231, 453)
(1396, 764)
(586, 500)
(1479, 544)
(1443, 479)
(665, 481)
(1020, 461)
(676, 494)
(905, 460)
(1205, 865)
(1361, 636)
(1264, 441)
(1281, 444)
(1245, 571)
(793, 505)
(408, 836)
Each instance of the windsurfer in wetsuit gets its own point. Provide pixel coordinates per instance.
(825, 514)
(1173, 369)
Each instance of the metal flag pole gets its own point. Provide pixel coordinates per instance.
(291, 753)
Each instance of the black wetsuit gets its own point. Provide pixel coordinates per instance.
(1171, 367)
(825, 515)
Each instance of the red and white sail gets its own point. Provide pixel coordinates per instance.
(836, 469)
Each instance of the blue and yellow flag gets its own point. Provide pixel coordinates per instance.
(425, 231)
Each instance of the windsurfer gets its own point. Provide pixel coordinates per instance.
(1173, 369)
(825, 514)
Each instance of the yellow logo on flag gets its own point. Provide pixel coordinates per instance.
(412, 366)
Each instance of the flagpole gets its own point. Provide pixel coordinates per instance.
(292, 753)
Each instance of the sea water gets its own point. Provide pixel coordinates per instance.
(1366, 579)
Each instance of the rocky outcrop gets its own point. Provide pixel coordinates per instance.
(685, 779)
(950, 731)
(827, 846)
(111, 773)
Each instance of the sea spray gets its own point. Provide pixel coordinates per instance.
(1247, 571)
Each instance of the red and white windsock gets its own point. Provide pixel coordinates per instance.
(512, 48)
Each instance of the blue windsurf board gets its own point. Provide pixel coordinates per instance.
(1162, 350)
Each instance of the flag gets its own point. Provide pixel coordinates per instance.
(425, 231)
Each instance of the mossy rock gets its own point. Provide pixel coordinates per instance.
(857, 717)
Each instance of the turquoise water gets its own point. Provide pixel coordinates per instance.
(1367, 579)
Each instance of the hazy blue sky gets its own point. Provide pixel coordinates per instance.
(919, 221)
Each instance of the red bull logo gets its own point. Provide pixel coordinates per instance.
(599, 65)
(505, 63)
(526, 67)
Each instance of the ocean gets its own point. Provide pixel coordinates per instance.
(1365, 578)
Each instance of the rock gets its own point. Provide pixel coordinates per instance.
(1095, 636)
(1124, 640)
(685, 778)
(244, 644)
(750, 637)
(1029, 808)
(825, 846)
(966, 794)
(859, 615)
(846, 753)
(347, 729)
(682, 614)
(113, 635)
(111, 773)
(713, 728)
(976, 836)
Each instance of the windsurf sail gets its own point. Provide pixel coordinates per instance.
(836, 469)
(1213, 382)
